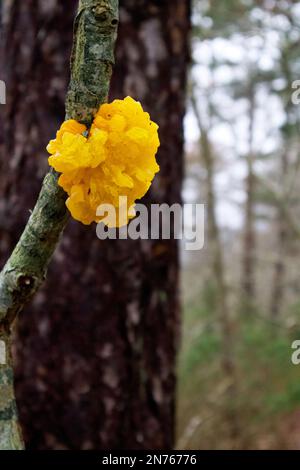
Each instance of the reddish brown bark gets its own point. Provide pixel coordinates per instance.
(96, 349)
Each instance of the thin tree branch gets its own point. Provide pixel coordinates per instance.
(91, 66)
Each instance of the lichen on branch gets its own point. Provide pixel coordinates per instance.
(91, 66)
(92, 58)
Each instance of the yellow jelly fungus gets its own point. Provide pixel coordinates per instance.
(116, 158)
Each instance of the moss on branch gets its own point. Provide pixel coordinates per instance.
(91, 66)
(92, 58)
(10, 434)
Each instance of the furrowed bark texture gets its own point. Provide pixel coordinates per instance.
(96, 355)
(24, 272)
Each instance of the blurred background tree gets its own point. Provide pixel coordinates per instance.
(245, 59)
(96, 349)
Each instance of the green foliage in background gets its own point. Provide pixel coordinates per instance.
(269, 384)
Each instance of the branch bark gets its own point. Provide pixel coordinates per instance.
(91, 66)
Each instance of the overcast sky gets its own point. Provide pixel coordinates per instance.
(231, 142)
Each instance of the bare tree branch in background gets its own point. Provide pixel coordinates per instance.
(248, 261)
(219, 276)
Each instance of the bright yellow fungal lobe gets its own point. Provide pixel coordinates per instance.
(116, 159)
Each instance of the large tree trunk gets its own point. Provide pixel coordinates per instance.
(96, 349)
